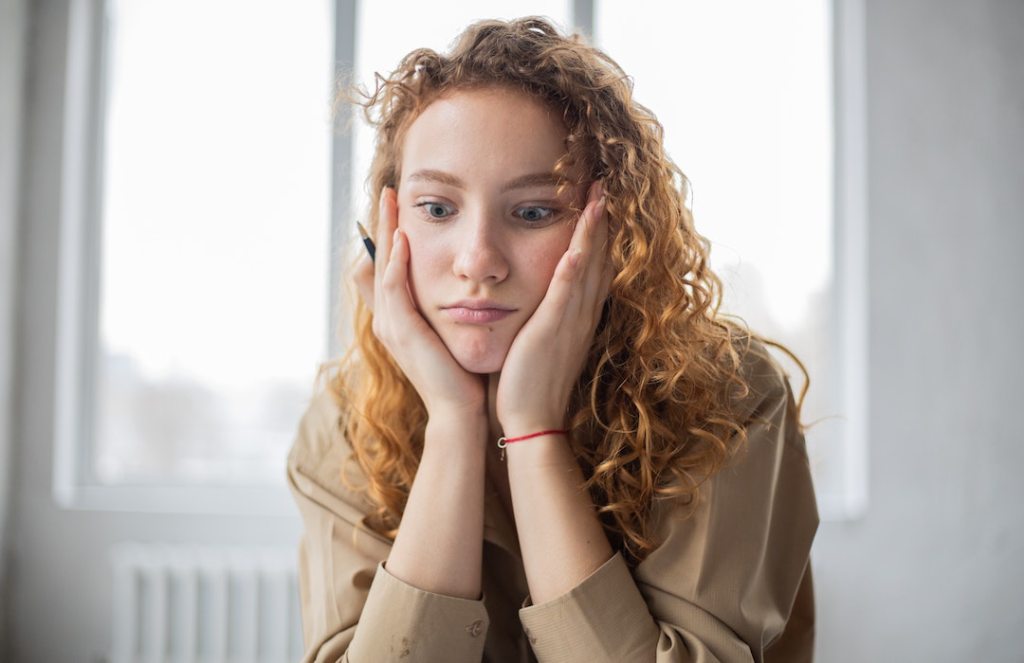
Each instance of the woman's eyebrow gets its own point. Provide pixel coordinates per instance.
(522, 182)
(534, 179)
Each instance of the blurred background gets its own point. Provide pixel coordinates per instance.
(176, 200)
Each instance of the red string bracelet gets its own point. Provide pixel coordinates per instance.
(505, 441)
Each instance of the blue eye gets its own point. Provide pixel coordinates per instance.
(535, 214)
(435, 210)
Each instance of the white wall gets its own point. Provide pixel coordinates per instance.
(931, 573)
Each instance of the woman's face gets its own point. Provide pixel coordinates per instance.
(477, 200)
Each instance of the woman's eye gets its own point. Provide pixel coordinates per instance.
(535, 214)
(434, 210)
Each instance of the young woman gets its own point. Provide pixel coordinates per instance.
(545, 443)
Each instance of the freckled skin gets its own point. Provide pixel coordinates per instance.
(482, 248)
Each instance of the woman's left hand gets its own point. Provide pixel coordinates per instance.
(547, 355)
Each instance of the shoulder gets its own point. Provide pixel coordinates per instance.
(320, 451)
(737, 554)
(322, 415)
(772, 464)
(319, 432)
(750, 530)
(769, 394)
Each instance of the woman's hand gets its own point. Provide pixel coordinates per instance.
(446, 388)
(547, 355)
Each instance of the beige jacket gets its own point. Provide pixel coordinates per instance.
(733, 583)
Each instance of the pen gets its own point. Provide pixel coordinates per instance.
(367, 242)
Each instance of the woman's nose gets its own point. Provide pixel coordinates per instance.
(480, 254)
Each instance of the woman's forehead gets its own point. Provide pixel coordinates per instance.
(470, 134)
(484, 116)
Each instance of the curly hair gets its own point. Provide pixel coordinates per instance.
(654, 413)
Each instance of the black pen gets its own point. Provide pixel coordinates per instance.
(367, 242)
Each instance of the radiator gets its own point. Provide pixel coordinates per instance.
(193, 604)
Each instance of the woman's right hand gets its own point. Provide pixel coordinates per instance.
(446, 388)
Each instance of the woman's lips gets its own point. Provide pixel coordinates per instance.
(477, 315)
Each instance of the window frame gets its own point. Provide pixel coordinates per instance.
(75, 486)
(850, 230)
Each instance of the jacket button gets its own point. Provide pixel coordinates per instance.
(475, 628)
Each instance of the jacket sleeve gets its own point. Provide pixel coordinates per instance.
(353, 610)
(723, 584)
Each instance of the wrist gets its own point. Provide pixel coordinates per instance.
(528, 426)
(540, 436)
(466, 425)
(466, 413)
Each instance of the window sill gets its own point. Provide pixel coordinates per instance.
(222, 500)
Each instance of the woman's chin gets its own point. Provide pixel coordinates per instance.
(477, 348)
(483, 364)
(478, 355)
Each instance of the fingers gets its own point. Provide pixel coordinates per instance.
(598, 272)
(370, 272)
(576, 254)
(604, 289)
(364, 277)
(395, 310)
(574, 283)
(589, 247)
(592, 219)
(387, 221)
(395, 272)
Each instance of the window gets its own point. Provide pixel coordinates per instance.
(745, 93)
(203, 306)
